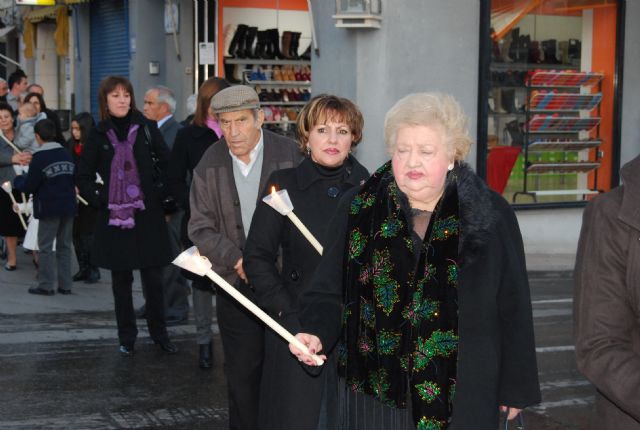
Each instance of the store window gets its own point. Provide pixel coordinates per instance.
(551, 114)
(267, 45)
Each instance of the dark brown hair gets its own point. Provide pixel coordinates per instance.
(207, 90)
(109, 84)
(43, 105)
(324, 107)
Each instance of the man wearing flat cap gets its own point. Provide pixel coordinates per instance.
(224, 193)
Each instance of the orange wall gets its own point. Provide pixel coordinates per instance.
(258, 4)
(604, 61)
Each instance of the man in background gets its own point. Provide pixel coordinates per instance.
(17, 86)
(607, 302)
(159, 106)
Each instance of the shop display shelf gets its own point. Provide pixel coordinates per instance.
(563, 145)
(563, 167)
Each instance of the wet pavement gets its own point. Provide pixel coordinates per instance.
(60, 368)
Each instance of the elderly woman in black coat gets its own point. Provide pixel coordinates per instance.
(191, 143)
(424, 287)
(130, 231)
(328, 128)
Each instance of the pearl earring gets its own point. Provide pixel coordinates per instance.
(450, 166)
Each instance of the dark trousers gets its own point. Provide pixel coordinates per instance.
(121, 281)
(176, 286)
(243, 341)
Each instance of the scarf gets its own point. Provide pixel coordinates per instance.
(400, 322)
(213, 125)
(125, 193)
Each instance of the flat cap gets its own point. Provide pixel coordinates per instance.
(235, 98)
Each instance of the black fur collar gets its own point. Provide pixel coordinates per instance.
(477, 213)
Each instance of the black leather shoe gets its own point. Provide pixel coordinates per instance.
(9, 268)
(41, 291)
(80, 276)
(206, 356)
(168, 347)
(93, 276)
(126, 351)
(64, 291)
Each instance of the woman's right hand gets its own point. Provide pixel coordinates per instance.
(312, 343)
(21, 158)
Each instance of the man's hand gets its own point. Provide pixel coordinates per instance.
(240, 271)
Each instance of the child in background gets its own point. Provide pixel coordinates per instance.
(51, 181)
(83, 224)
(28, 116)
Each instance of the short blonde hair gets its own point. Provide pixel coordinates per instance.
(324, 107)
(430, 110)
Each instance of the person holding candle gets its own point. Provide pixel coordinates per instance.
(130, 231)
(329, 127)
(51, 181)
(191, 142)
(423, 287)
(10, 227)
(224, 191)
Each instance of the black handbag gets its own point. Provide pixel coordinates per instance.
(167, 201)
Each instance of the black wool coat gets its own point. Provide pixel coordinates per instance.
(85, 220)
(496, 355)
(290, 397)
(190, 144)
(147, 244)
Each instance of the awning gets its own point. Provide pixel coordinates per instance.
(6, 30)
(40, 14)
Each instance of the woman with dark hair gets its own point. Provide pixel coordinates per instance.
(37, 100)
(329, 127)
(191, 142)
(85, 221)
(130, 232)
(10, 227)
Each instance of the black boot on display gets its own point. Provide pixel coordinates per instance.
(515, 132)
(515, 44)
(274, 43)
(206, 356)
(306, 55)
(250, 38)
(295, 42)
(508, 100)
(237, 43)
(549, 49)
(261, 45)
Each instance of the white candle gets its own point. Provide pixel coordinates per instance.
(82, 200)
(192, 261)
(279, 204)
(7, 187)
